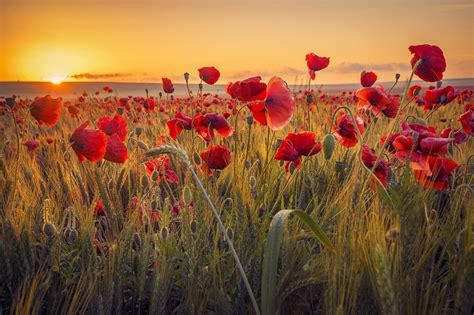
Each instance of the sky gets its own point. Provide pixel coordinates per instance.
(144, 40)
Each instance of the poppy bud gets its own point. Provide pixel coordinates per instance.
(421, 121)
(138, 131)
(137, 241)
(252, 182)
(200, 86)
(277, 143)
(196, 157)
(438, 84)
(164, 233)
(397, 76)
(160, 94)
(49, 230)
(249, 120)
(292, 167)
(247, 164)
(186, 76)
(415, 136)
(142, 145)
(145, 181)
(10, 101)
(73, 235)
(155, 176)
(187, 195)
(193, 226)
(329, 143)
(120, 111)
(309, 99)
(230, 233)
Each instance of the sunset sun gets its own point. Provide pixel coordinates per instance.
(56, 79)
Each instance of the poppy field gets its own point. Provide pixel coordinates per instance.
(267, 199)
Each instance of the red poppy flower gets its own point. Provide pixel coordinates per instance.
(414, 91)
(149, 104)
(457, 134)
(73, 110)
(367, 78)
(316, 63)
(442, 170)
(206, 124)
(248, 90)
(167, 85)
(438, 97)
(432, 65)
(381, 170)
(46, 110)
(378, 101)
(296, 145)
(210, 75)
(178, 123)
(215, 157)
(99, 208)
(467, 122)
(88, 143)
(279, 104)
(31, 145)
(49, 140)
(116, 150)
(161, 165)
(345, 131)
(116, 125)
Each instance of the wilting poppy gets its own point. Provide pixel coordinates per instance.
(438, 97)
(210, 75)
(441, 171)
(178, 123)
(467, 122)
(116, 150)
(296, 145)
(279, 104)
(367, 78)
(88, 143)
(432, 64)
(46, 110)
(167, 85)
(316, 63)
(215, 157)
(345, 131)
(206, 124)
(116, 125)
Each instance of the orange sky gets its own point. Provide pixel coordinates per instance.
(143, 40)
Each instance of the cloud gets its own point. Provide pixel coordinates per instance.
(98, 76)
(359, 67)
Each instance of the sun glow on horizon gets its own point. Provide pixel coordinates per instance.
(56, 79)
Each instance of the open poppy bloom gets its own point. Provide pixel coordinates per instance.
(441, 171)
(416, 142)
(432, 64)
(438, 97)
(367, 78)
(46, 110)
(345, 131)
(378, 101)
(116, 125)
(467, 122)
(381, 169)
(248, 90)
(178, 123)
(279, 104)
(167, 85)
(457, 134)
(149, 104)
(210, 75)
(206, 124)
(90, 144)
(215, 157)
(116, 150)
(315, 63)
(161, 165)
(296, 145)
